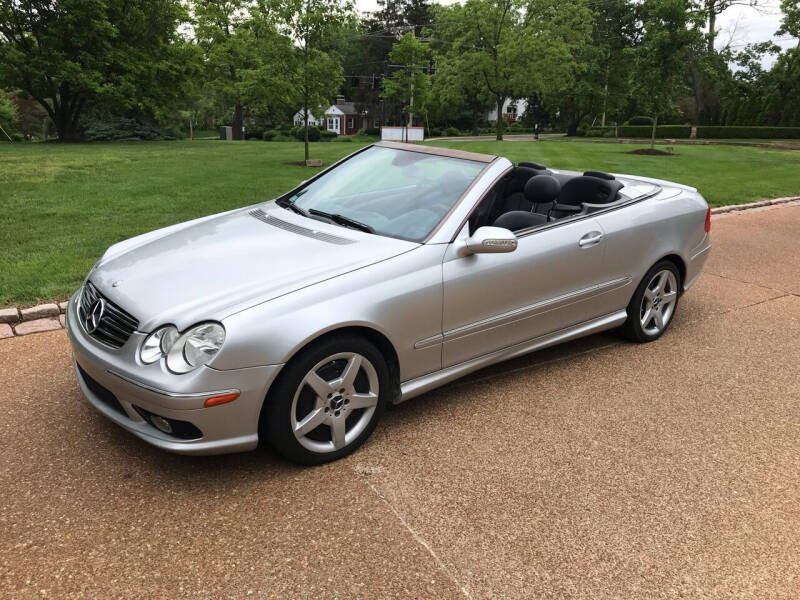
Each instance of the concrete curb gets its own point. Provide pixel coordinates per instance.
(721, 210)
(50, 316)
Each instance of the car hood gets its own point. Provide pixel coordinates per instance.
(212, 267)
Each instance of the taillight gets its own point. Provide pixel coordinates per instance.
(708, 220)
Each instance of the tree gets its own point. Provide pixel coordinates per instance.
(659, 59)
(409, 83)
(245, 56)
(790, 24)
(596, 36)
(71, 54)
(8, 114)
(518, 49)
(711, 9)
(317, 72)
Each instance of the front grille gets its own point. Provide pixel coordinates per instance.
(104, 395)
(114, 326)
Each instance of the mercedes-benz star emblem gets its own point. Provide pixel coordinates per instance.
(94, 316)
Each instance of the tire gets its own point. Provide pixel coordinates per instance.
(658, 293)
(314, 425)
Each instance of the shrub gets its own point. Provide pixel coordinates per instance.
(452, 132)
(748, 132)
(269, 135)
(662, 131)
(313, 133)
(254, 134)
(599, 131)
(125, 130)
(372, 131)
(325, 135)
(640, 121)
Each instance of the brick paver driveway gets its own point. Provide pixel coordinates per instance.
(599, 469)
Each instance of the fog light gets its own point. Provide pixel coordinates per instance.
(161, 423)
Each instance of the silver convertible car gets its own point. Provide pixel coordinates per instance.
(394, 271)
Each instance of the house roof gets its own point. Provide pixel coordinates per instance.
(346, 108)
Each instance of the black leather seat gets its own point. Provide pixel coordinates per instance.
(591, 190)
(514, 196)
(516, 220)
(542, 191)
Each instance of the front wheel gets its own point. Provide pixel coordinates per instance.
(327, 401)
(653, 304)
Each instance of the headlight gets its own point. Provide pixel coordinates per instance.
(195, 347)
(158, 344)
(184, 352)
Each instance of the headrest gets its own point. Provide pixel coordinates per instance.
(542, 189)
(518, 177)
(589, 189)
(599, 175)
(533, 165)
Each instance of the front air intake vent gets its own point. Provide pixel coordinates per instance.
(299, 229)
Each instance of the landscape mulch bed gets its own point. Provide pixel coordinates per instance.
(651, 152)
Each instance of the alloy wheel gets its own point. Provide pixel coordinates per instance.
(658, 302)
(334, 402)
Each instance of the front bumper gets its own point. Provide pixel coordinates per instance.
(115, 382)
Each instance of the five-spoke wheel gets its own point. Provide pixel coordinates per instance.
(327, 400)
(653, 304)
(334, 402)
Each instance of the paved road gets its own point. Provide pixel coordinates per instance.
(670, 470)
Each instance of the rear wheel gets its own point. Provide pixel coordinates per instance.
(327, 401)
(653, 304)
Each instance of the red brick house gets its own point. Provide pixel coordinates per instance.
(343, 118)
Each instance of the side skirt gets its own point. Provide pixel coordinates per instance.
(420, 385)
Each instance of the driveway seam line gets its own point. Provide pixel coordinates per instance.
(761, 285)
(418, 538)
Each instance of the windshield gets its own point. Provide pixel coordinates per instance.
(398, 193)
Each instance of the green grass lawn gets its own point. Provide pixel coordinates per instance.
(61, 206)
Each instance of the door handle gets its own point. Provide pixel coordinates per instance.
(590, 239)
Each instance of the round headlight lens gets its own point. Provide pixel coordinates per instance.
(158, 344)
(202, 343)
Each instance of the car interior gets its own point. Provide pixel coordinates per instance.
(532, 195)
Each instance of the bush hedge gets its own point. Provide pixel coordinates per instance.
(747, 132)
(313, 133)
(662, 131)
(124, 130)
(325, 135)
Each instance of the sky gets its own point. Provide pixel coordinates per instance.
(737, 26)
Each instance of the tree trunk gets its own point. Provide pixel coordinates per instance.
(712, 24)
(238, 122)
(305, 97)
(653, 136)
(305, 127)
(572, 128)
(475, 117)
(500, 100)
(66, 119)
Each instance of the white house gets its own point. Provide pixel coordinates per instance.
(512, 110)
(298, 118)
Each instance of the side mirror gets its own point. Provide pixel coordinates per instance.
(487, 240)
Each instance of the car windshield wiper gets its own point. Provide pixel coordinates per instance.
(292, 206)
(342, 220)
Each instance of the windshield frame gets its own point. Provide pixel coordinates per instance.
(487, 159)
